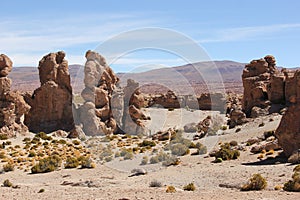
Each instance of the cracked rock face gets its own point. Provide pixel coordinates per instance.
(51, 103)
(96, 113)
(12, 104)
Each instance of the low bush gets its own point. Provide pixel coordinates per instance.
(256, 182)
(170, 189)
(43, 136)
(294, 184)
(9, 167)
(7, 183)
(71, 162)
(189, 187)
(3, 137)
(47, 164)
(86, 162)
(145, 160)
(155, 183)
(179, 149)
(226, 153)
(146, 143)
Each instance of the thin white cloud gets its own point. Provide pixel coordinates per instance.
(248, 33)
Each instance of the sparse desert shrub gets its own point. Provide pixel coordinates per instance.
(145, 160)
(294, 184)
(172, 160)
(8, 143)
(62, 141)
(218, 160)
(26, 140)
(170, 189)
(189, 187)
(154, 160)
(171, 109)
(76, 142)
(7, 183)
(43, 136)
(155, 183)
(146, 143)
(71, 162)
(108, 159)
(31, 153)
(2, 155)
(3, 137)
(238, 130)
(127, 154)
(47, 164)
(117, 154)
(224, 127)
(226, 153)
(9, 167)
(202, 149)
(256, 182)
(278, 187)
(106, 152)
(87, 162)
(179, 149)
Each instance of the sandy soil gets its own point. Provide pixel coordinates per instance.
(111, 180)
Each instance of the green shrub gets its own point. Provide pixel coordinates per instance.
(226, 153)
(31, 153)
(154, 160)
(76, 142)
(155, 183)
(189, 187)
(171, 160)
(8, 167)
(145, 160)
(146, 143)
(294, 184)
(256, 182)
(3, 137)
(179, 149)
(47, 164)
(71, 162)
(7, 183)
(87, 162)
(43, 136)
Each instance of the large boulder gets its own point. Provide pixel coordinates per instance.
(288, 131)
(51, 103)
(5, 65)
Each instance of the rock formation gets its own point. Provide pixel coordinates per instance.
(51, 103)
(168, 100)
(12, 104)
(96, 113)
(214, 101)
(288, 131)
(133, 115)
(256, 78)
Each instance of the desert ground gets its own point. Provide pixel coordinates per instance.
(113, 180)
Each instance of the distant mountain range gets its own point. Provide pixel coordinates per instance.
(180, 78)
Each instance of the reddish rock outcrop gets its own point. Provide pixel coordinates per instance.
(256, 78)
(288, 131)
(12, 104)
(168, 100)
(96, 113)
(51, 104)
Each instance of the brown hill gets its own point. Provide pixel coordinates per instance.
(182, 79)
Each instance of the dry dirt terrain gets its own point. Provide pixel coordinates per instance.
(112, 180)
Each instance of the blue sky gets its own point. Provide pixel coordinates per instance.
(226, 30)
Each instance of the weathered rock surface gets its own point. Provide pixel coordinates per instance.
(12, 104)
(288, 131)
(96, 113)
(51, 104)
(133, 115)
